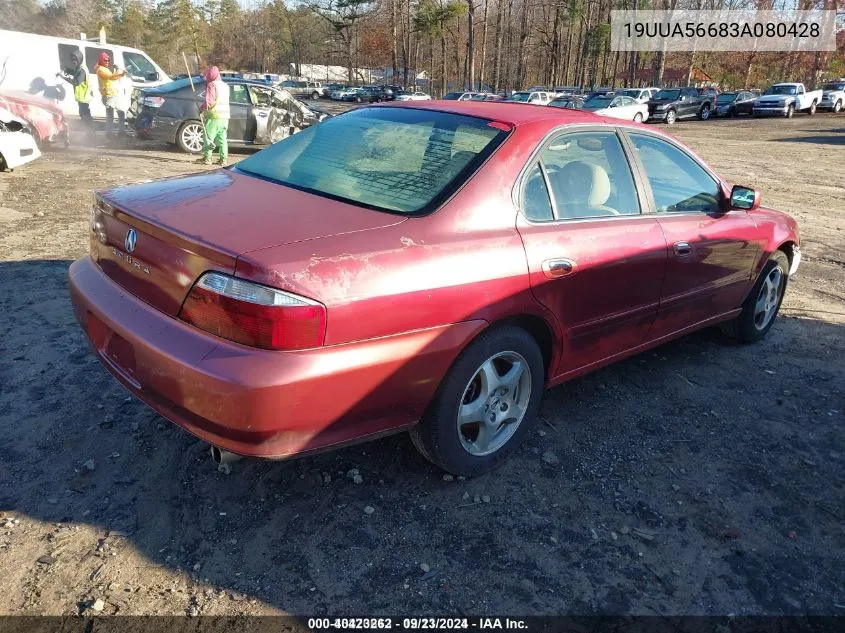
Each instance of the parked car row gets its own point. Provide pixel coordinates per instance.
(669, 105)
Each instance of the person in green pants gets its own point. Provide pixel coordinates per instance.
(215, 114)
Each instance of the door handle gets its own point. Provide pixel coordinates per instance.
(556, 268)
(261, 113)
(682, 249)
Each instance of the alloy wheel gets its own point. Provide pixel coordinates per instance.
(769, 298)
(670, 117)
(192, 137)
(494, 403)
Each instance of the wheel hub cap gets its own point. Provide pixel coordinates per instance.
(768, 299)
(494, 403)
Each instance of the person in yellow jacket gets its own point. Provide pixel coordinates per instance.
(108, 76)
(215, 113)
(78, 78)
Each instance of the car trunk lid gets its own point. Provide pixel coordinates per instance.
(155, 239)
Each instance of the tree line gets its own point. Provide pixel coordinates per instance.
(473, 44)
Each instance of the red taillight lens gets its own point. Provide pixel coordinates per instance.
(253, 314)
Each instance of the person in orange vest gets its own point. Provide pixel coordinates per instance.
(108, 76)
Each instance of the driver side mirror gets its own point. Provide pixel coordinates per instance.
(744, 198)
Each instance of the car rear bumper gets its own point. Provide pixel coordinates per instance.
(257, 402)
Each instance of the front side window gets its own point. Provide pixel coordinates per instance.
(139, 67)
(261, 96)
(392, 159)
(678, 183)
(588, 176)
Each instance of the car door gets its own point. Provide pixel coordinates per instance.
(241, 128)
(711, 250)
(743, 103)
(262, 115)
(594, 259)
(688, 103)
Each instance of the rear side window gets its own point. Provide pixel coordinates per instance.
(238, 94)
(678, 183)
(536, 205)
(391, 159)
(92, 54)
(589, 176)
(65, 51)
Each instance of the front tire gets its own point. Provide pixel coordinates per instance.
(762, 304)
(485, 403)
(671, 117)
(638, 117)
(190, 137)
(315, 95)
(837, 107)
(704, 113)
(790, 111)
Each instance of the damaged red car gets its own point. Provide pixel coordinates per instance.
(430, 269)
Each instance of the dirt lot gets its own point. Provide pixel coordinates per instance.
(701, 478)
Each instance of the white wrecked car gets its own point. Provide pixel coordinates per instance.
(17, 144)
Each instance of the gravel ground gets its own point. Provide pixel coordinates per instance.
(702, 477)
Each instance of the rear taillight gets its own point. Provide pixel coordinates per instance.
(153, 102)
(253, 314)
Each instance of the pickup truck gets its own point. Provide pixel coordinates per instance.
(833, 96)
(671, 104)
(785, 99)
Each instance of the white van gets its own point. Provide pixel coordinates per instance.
(29, 63)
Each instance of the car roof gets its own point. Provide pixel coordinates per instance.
(514, 114)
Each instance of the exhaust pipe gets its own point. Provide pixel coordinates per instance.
(223, 457)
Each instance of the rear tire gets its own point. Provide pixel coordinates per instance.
(449, 434)
(190, 137)
(812, 110)
(761, 306)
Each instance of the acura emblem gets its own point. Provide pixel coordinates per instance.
(129, 242)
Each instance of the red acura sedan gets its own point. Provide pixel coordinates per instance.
(430, 267)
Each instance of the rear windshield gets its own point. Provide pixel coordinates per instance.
(393, 159)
